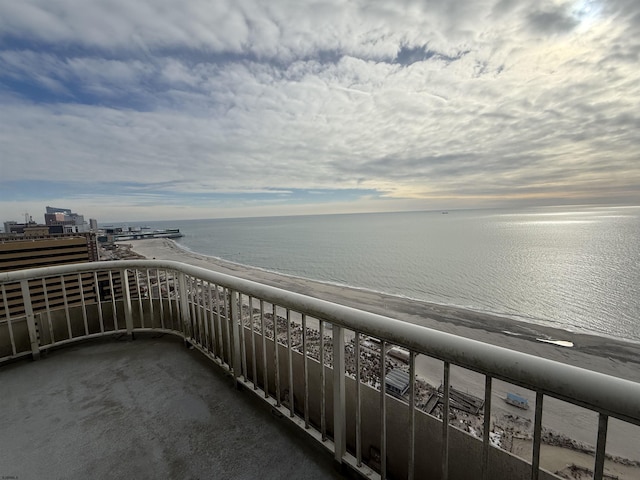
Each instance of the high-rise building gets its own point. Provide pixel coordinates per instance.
(37, 248)
(66, 211)
(73, 222)
(64, 238)
(8, 226)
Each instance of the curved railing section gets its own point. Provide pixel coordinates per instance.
(325, 369)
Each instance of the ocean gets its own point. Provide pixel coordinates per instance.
(575, 268)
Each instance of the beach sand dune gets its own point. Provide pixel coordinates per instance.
(606, 355)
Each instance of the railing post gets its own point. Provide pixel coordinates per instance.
(358, 403)
(383, 410)
(184, 305)
(412, 415)
(537, 438)
(598, 470)
(486, 438)
(128, 312)
(31, 319)
(339, 402)
(445, 420)
(235, 331)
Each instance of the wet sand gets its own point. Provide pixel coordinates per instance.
(607, 355)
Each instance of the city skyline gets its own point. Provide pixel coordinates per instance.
(166, 110)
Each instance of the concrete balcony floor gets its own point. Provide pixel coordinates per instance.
(144, 409)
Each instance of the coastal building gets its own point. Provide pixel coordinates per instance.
(58, 221)
(120, 234)
(8, 226)
(13, 227)
(397, 382)
(72, 222)
(61, 240)
(36, 247)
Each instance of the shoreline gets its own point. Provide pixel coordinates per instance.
(619, 357)
(517, 320)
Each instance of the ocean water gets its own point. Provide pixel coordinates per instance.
(574, 268)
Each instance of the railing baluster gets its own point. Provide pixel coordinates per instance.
(412, 414)
(305, 371)
(84, 305)
(227, 315)
(98, 300)
(136, 274)
(212, 320)
(209, 319)
(150, 297)
(383, 410)
(181, 315)
(31, 320)
(8, 315)
(204, 301)
(275, 352)
(185, 316)
(339, 395)
(113, 302)
(445, 422)
(537, 437)
(202, 316)
(253, 345)
(265, 377)
(323, 420)
(128, 309)
(486, 441)
(603, 424)
(233, 325)
(66, 306)
(215, 333)
(45, 293)
(188, 318)
(198, 311)
(160, 299)
(219, 326)
(290, 364)
(169, 304)
(243, 345)
(358, 401)
(195, 310)
(193, 320)
(208, 324)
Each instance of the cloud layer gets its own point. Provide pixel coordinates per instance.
(463, 103)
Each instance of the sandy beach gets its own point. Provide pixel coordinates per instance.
(607, 355)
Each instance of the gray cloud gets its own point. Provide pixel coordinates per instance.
(410, 99)
(552, 21)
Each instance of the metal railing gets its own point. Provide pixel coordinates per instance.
(312, 360)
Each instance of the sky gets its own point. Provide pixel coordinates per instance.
(167, 109)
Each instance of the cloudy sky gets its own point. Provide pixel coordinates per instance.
(165, 109)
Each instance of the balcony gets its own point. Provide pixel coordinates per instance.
(138, 398)
(143, 409)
